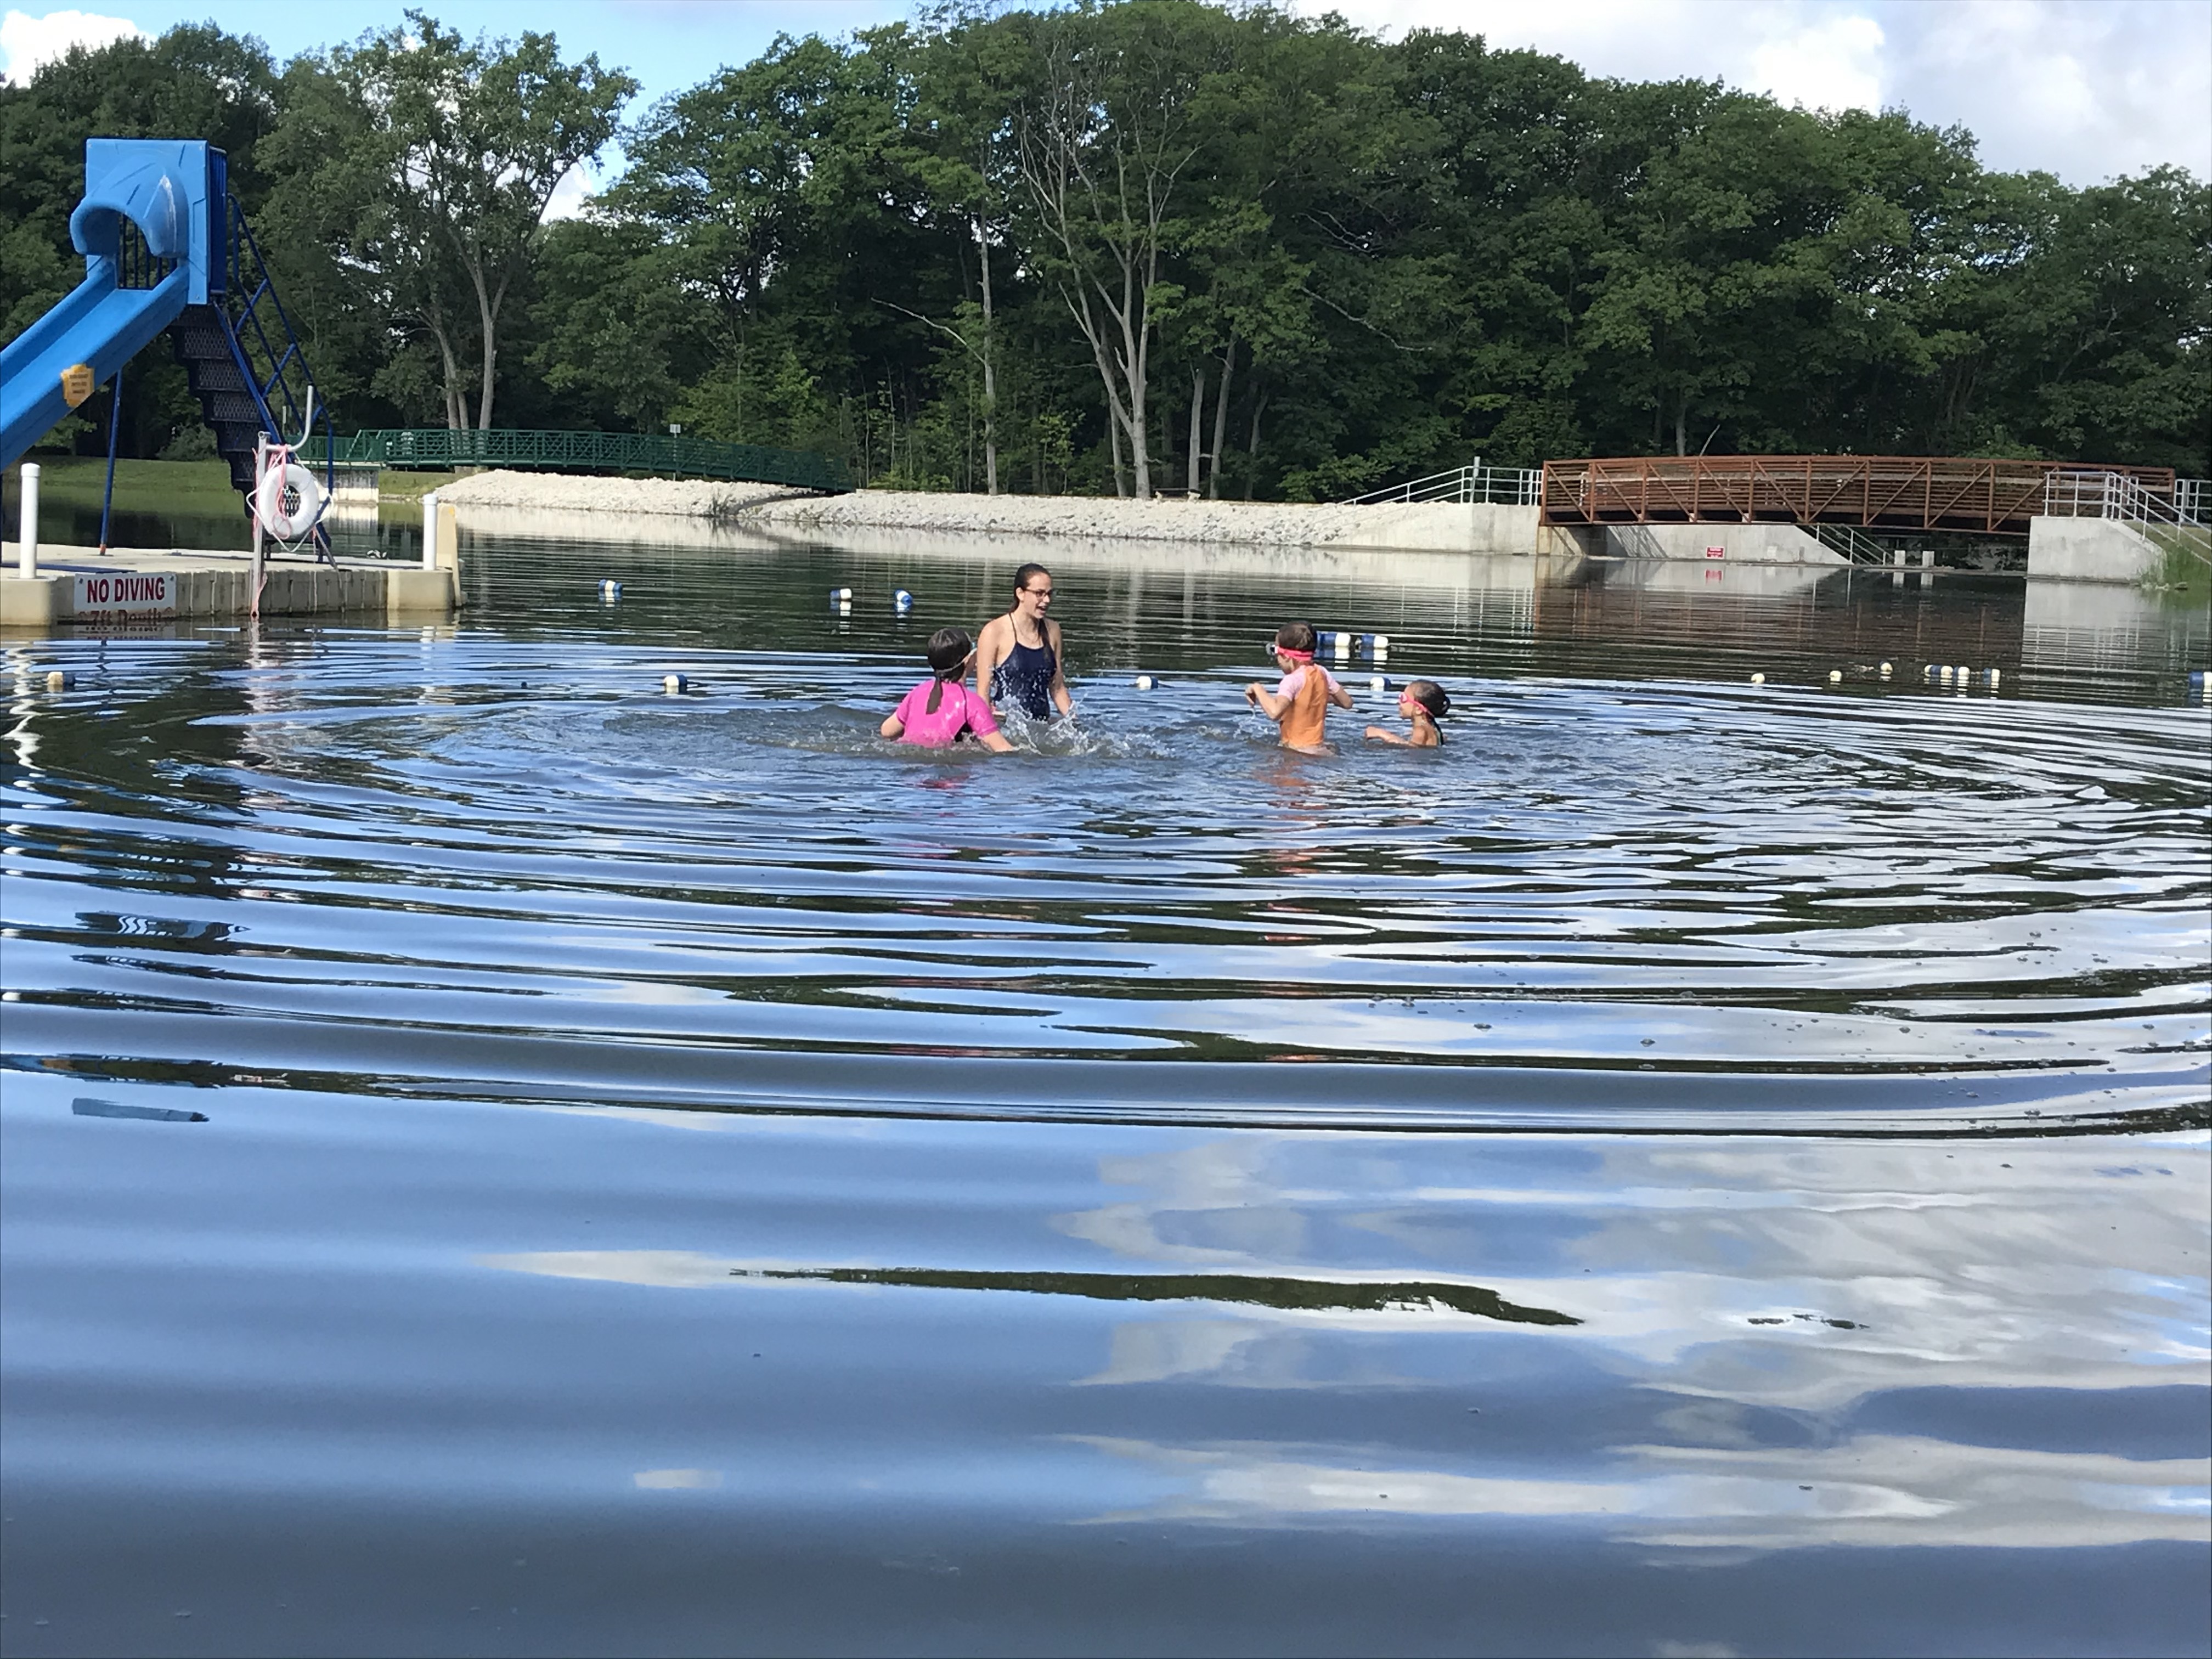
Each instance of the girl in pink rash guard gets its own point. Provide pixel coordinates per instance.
(942, 710)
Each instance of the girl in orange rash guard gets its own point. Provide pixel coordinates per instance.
(1299, 703)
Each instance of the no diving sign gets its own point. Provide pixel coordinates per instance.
(127, 593)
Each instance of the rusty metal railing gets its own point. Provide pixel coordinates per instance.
(1886, 492)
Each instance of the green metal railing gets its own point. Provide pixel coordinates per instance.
(436, 446)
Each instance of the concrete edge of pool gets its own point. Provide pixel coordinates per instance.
(83, 585)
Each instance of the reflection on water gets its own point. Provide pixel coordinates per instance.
(520, 1003)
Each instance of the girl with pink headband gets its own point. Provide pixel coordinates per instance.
(1299, 703)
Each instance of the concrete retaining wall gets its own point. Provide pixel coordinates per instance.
(1740, 543)
(1444, 527)
(2089, 550)
(49, 598)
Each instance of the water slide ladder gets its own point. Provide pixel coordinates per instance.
(166, 248)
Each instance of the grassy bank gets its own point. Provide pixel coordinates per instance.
(2183, 574)
(140, 486)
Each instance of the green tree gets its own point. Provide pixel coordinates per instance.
(447, 153)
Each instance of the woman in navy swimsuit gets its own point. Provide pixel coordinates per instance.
(1017, 660)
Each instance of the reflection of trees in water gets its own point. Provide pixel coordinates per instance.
(1315, 1295)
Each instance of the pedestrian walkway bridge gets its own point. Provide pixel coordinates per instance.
(1873, 492)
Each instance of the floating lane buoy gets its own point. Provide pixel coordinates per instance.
(57, 680)
(840, 595)
(1378, 649)
(674, 684)
(1835, 676)
(1885, 671)
(1145, 682)
(1758, 679)
(1991, 679)
(1944, 673)
(901, 601)
(1378, 685)
(610, 589)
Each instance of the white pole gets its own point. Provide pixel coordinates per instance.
(27, 565)
(260, 471)
(430, 530)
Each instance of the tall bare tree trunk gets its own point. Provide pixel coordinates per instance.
(1681, 419)
(1114, 431)
(990, 374)
(456, 399)
(1197, 410)
(1252, 449)
(488, 305)
(1220, 421)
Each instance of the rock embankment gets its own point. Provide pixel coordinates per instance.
(1251, 523)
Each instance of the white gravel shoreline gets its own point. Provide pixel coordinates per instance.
(1265, 524)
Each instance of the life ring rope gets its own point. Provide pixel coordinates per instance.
(280, 475)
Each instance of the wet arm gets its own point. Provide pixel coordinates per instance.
(893, 727)
(1061, 699)
(989, 653)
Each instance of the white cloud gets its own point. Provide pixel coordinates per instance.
(2084, 88)
(574, 193)
(26, 42)
(1831, 65)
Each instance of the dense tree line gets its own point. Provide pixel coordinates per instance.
(1149, 244)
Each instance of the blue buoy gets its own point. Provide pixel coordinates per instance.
(902, 601)
(674, 684)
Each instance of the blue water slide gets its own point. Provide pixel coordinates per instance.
(168, 190)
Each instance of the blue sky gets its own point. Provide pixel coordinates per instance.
(2084, 88)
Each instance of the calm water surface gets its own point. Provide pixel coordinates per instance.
(1690, 1168)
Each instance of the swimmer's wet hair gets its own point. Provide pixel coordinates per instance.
(1024, 576)
(1432, 696)
(949, 651)
(1295, 636)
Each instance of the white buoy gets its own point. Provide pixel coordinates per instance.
(610, 589)
(674, 684)
(1964, 673)
(55, 680)
(901, 601)
(840, 595)
(1928, 670)
(1145, 682)
(1835, 676)
(1758, 679)
(1885, 671)
(1342, 646)
(1991, 679)
(1944, 673)
(1381, 649)
(1378, 685)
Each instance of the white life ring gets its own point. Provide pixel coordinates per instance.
(269, 501)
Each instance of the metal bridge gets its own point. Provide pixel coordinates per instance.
(1874, 492)
(437, 447)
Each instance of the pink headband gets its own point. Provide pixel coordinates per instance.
(1295, 656)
